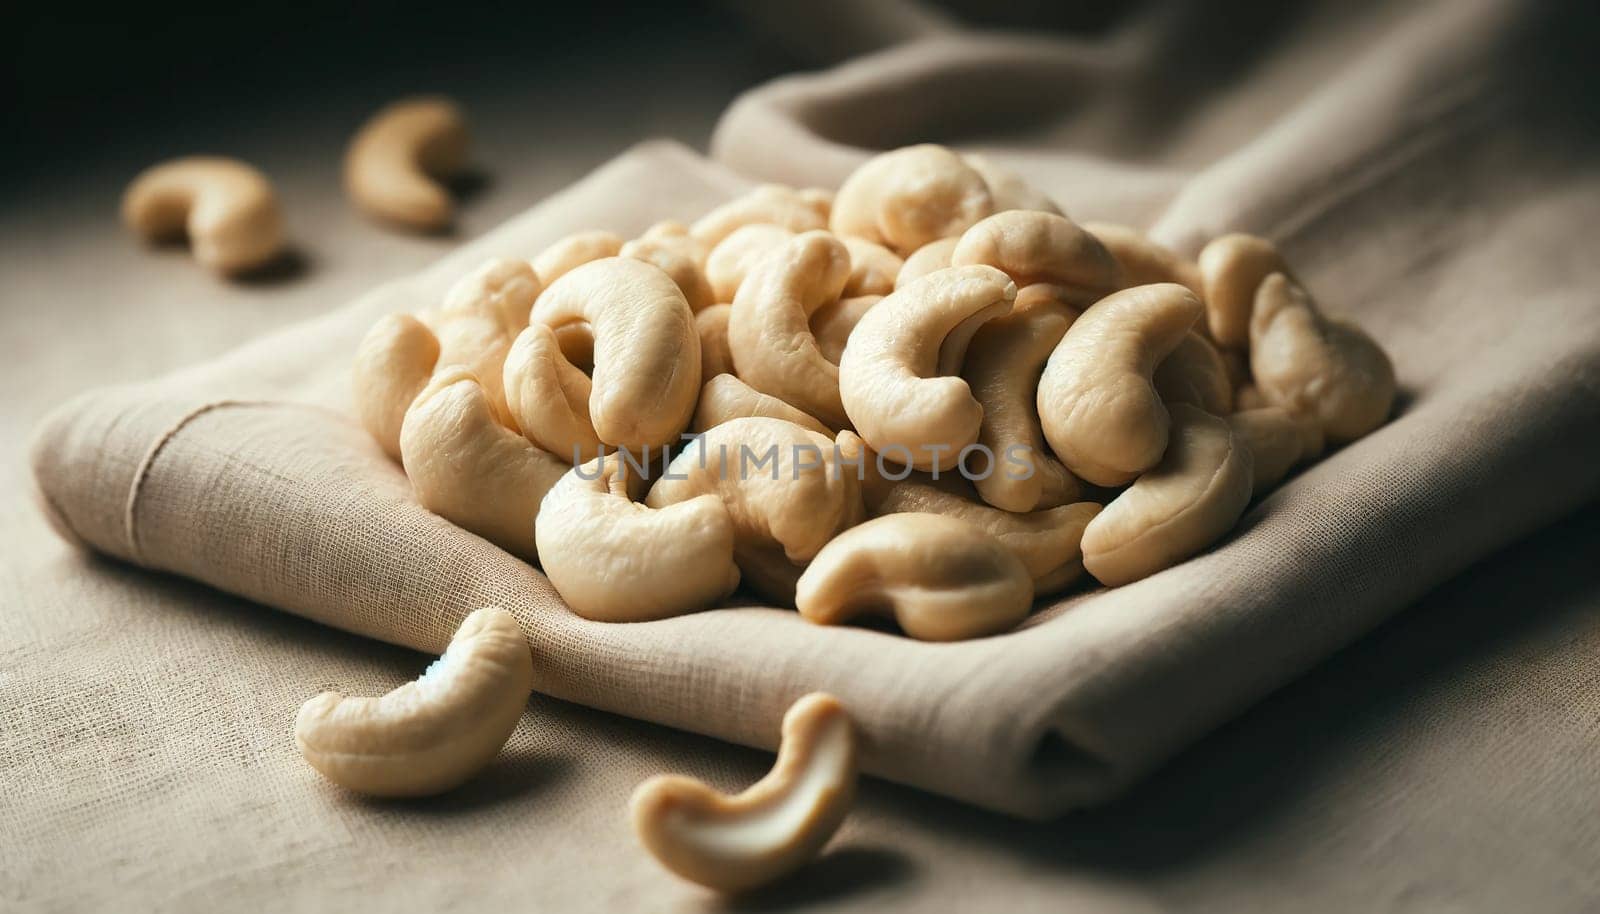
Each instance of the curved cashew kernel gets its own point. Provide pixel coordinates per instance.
(769, 329)
(1310, 365)
(500, 288)
(1232, 268)
(1047, 541)
(769, 204)
(393, 166)
(711, 325)
(905, 198)
(1100, 411)
(736, 255)
(469, 469)
(1277, 440)
(227, 209)
(646, 349)
(725, 398)
(392, 365)
(1009, 189)
(1143, 261)
(833, 323)
(1031, 246)
(1194, 373)
(941, 578)
(480, 315)
(676, 235)
(898, 377)
(679, 262)
(931, 257)
(615, 560)
(1181, 506)
(548, 397)
(1002, 367)
(873, 268)
(735, 843)
(574, 251)
(431, 734)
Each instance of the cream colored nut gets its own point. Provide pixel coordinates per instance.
(1194, 373)
(1277, 440)
(734, 843)
(646, 348)
(931, 257)
(478, 320)
(500, 288)
(574, 251)
(1047, 541)
(819, 199)
(678, 261)
(548, 397)
(393, 363)
(615, 560)
(769, 204)
(1143, 261)
(1182, 505)
(725, 398)
(908, 197)
(1035, 247)
(1100, 411)
(873, 268)
(469, 469)
(898, 377)
(833, 323)
(395, 163)
(711, 325)
(430, 735)
(676, 235)
(942, 579)
(1232, 268)
(1312, 366)
(1002, 367)
(227, 209)
(736, 255)
(1009, 189)
(769, 328)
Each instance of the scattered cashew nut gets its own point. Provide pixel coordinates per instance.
(227, 209)
(393, 363)
(1031, 246)
(394, 165)
(905, 198)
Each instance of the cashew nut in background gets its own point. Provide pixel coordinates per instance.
(769, 330)
(432, 734)
(1143, 261)
(736, 255)
(615, 560)
(873, 268)
(1009, 189)
(1002, 367)
(548, 397)
(646, 348)
(1180, 506)
(941, 578)
(725, 398)
(898, 377)
(227, 209)
(1194, 373)
(769, 204)
(1277, 440)
(471, 470)
(392, 365)
(908, 197)
(678, 261)
(933, 256)
(711, 325)
(1232, 268)
(395, 163)
(1032, 247)
(1313, 366)
(676, 235)
(734, 843)
(574, 251)
(833, 323)
(1099, 409)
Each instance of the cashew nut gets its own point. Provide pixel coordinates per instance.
(935, 255)
(1002, 367)
(1232, 268)
(873, 268)
(431, 734)
(677, 260)
(548, 397)
(1310, 365)
(833, 323)
(769, 204)
(394, 165)
(769, 330)
(574, 251)
(471, 470)
(1194, 373)
(227, 209)
(1009, 189)
(733, 843)
(942, 579)
(676, 235)
(615, 560)
(481, 314)
(711, 325)
(736, 255)
(905, 198)
(1031, 246)
(392, 365)
(1179, 507)
(1100, 411)
(1143, 261)
(725, 398)
(898, 377)
(1277, 440)
(646, 348)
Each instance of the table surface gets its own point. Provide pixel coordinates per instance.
(1320, 798)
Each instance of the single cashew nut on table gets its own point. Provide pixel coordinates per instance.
(1277, 440)
(1143, 261)
(1182, 505)
(734, 843)
(736, 255)
(615, 560)
(769, 204)
(393, 363)
(1032, 247)
(432, 734)
(898, 377)
(1194, 373)
(933, 256)
(908, 197)
(716, 356)
(1100, 411)
(395, 163)
(833, 323)
(1009, 189)
(227, 209)
(725, 398)
(574, 251)
(1232, 268)
(942, 579)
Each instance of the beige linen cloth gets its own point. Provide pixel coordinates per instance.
(1422, 172)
